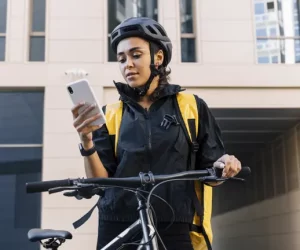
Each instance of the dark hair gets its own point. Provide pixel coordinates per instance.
(164, 77)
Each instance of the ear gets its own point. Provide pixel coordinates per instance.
(159, 58)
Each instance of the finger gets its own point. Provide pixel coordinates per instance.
(231, 172)
(89, 129)
(228, 169)
(76, 108)
(219, 165)
(82, 115)
(235, 167)
(87, 122)
(239, 166)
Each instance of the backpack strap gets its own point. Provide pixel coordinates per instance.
(187, 105)
(113, 115)
(189, 116)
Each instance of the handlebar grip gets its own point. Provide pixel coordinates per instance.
(42, 186)
(245, 171)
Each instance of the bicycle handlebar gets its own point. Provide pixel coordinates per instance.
(143, 179)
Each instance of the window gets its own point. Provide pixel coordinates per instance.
(119, 10)
(3, 17)
(188, 37)
(274, 59)
(270, 6)
(277, 31)
(37, 30)
(261, 32)
(273, 32)
(263, 59)
(21, 116)
(259, 8)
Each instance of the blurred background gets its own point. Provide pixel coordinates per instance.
(240, 56)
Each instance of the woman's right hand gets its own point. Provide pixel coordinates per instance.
(82, 123)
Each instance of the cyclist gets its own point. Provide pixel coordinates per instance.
(144, 51)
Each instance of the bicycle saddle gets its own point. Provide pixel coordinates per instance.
(42, 234)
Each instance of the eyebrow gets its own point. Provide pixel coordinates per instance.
(132, 49)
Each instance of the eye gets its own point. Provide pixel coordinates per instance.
(136, 56)
(121, 60)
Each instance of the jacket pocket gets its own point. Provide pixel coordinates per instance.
(181, 144)
(181, 152)
(132, 161)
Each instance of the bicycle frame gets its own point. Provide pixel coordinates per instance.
(143, 224)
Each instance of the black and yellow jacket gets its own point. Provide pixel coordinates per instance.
(145, 145)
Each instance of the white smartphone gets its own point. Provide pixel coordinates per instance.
(81, 91)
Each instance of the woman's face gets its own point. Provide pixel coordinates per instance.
(133, 55)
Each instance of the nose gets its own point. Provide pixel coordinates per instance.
(129, 63)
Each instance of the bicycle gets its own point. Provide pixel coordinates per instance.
(88, 187)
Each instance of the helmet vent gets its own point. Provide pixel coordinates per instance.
(114, 35)
(130, 28)
(151, 29)
(160, 30)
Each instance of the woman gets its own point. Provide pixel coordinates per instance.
(143, 52)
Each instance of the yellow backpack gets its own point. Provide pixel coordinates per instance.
(201, 231)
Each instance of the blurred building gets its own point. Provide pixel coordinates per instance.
(240, 56)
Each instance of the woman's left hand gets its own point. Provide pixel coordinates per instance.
(232, 165)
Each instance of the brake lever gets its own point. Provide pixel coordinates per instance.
(80, 187)
(85, 192)
(73, 194)
(214, 178)
(210, 179)
(59, 189)
(236, 179)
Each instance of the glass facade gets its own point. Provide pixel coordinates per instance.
(21, 130)
(277, 31)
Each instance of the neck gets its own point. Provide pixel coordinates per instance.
(153, 86)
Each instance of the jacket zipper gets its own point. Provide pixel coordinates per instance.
(148, 124)
(149, 130)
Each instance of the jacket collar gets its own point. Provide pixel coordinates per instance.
(127, 93)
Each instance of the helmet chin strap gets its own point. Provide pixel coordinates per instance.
(142, 91)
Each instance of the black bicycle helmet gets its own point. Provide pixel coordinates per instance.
(145, 28)
(149, 30)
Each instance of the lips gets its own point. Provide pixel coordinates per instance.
(131, 74)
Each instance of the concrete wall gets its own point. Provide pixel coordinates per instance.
(272, 220)
(270, 224)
